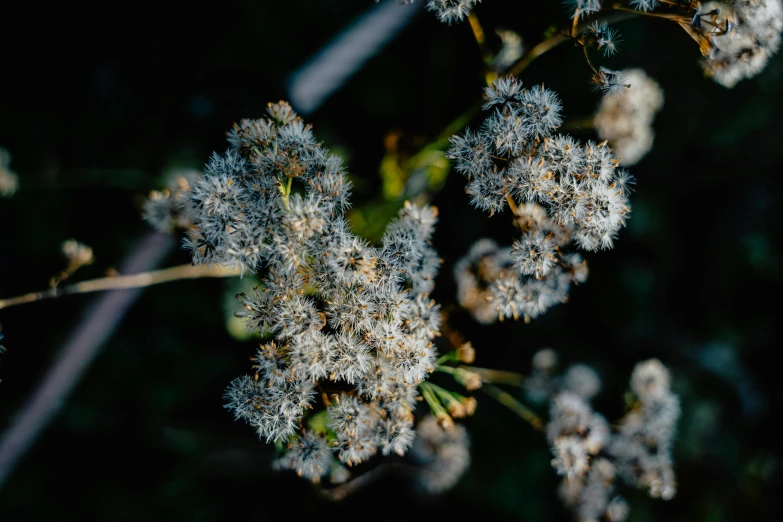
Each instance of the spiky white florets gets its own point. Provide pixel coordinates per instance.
(573, 181)
(309, 456)
(340, 310)
(605, 37)
(449, 11)
(523, 281)
(535, 253)
(585, 450)
(563, 193)
(582, 8)
(644, 5)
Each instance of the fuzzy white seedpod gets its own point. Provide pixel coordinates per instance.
(444, 455)
(563, 194)
(340, 311)
(742, 35)
(626, 121)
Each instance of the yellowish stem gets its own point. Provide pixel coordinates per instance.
(575, 23)
(478, 32)
(652, 14)
(481, 40)
(512, 205)
(589, 63)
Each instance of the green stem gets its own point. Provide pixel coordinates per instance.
(427, 392)
(508, 400)
(285, 191)
(451, 356)
(445, 369)
(491, 376)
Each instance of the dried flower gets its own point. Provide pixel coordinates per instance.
(626, 121)
(339, 309)
(168, 210)
(739, 37)
(589, 456)
(443, 454)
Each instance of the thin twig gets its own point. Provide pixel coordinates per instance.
(120, 282)
(543, 47)
(99, 321)
(651, 14)
(340, 492)
(463, 119)
(589, 63)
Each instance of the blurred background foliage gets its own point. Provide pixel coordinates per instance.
(97, 106)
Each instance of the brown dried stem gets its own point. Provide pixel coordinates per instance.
(119, 282)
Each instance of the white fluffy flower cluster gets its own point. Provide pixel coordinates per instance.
(626, 121)
(516, 157)
(588, 454)
(741, 36)
(642, 449)
(443, 454)
(561, 192)
(169, 209)
(350, 318)
(524, 280)
(448, 11)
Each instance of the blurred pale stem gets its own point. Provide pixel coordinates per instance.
(340, 492)
(445, 369)
(487, 375)
(583, 123)
(119, 282)
(491, 376)
(451, 356)
(510, 402)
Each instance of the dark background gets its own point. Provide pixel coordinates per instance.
(95, 106)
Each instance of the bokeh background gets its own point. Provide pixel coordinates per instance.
(97, 106)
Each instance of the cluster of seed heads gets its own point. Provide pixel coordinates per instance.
(626, 121)
(738, 37)
(588, 454)
(562, 193)
(341, 317)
